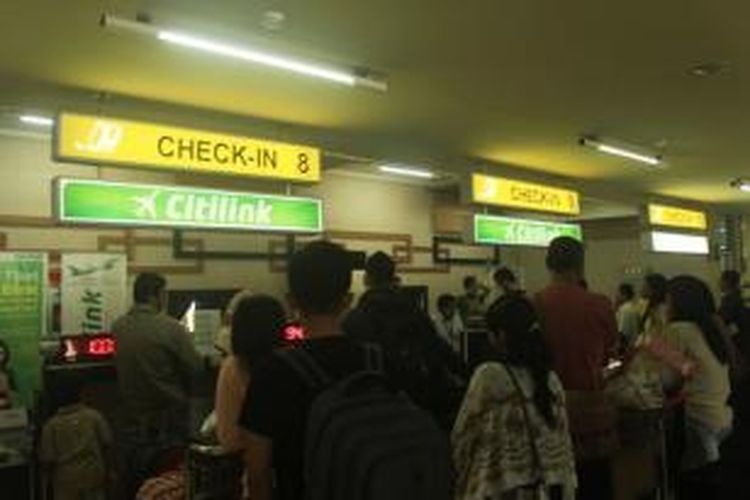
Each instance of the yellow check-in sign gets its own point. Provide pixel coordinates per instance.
(664, 215)
(99, 140)
(504, 192)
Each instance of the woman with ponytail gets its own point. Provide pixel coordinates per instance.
(511, 438)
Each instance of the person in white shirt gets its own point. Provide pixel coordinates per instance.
(448, 321)
(696, 331)
(628, 314)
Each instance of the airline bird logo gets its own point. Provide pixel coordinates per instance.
(77, 272)
(489, 189)
(146, 205)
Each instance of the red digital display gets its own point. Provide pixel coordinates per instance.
(294, 332)
(103, 346)
(100, 346)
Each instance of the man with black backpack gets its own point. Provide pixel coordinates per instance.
(420, 362)
(324, 418)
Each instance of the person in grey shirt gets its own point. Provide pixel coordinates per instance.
(156, 366)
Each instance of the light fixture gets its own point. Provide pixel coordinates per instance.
(707, 69)
(617, 149)
(350, 78)
(407, 171)
(41, 121)
(665, 242)
(741, 184)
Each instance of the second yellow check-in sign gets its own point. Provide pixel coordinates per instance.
(524, 195)
(100, 140)
(664, 215)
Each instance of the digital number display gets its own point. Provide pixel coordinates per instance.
(294, 332)
(88, 347)
(101, 346)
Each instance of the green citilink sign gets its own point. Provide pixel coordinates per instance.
(96, 202)
(494, 230)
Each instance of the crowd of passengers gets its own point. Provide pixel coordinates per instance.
(376, 402)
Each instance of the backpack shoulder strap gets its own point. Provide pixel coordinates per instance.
(305, 365)
(532, 442)
(373, 358)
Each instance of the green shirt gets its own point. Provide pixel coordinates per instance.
(156, 362)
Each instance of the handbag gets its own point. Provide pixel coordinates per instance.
(637, 387)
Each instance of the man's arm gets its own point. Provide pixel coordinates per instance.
(190, 363)
(258, 459)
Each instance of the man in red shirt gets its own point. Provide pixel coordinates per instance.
(580, 326)
(581, 329)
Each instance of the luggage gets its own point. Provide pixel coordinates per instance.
(212, 473)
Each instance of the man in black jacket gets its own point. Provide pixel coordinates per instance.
(422, 363)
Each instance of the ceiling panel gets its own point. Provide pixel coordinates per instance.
(511, 81)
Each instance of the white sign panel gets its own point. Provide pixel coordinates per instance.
(93, 292)
(679, 243)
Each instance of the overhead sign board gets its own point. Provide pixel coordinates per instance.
(663, 215)
(100, 140)
(98, 202)
(524, 195)
(494, 230)
(691, 244)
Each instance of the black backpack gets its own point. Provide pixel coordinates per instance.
(366, 442)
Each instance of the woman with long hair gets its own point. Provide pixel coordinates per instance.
(696, 331)
(257, 329)
(511, 438)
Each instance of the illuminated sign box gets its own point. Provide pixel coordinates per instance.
(99, 140)
(494, 230)
(79, 201)
(523, 195)
(663, 215)
(665, 242)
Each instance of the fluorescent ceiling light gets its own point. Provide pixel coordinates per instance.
(257, 57)
(407, 171)
(651, 160)
(741, 184)
(41, 121)
(679, 243)
(621, 151)
(349, 78)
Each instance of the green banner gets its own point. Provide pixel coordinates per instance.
(111, 203)
(23, 280)
(493, 230)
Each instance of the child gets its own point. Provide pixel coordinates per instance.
(75, 444)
